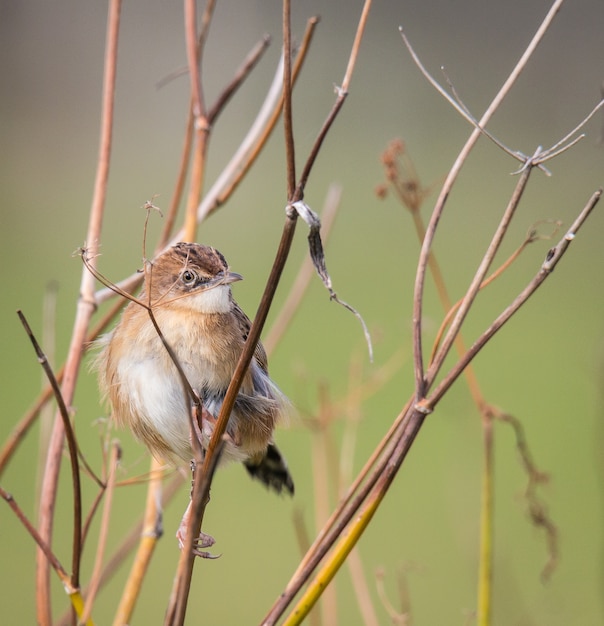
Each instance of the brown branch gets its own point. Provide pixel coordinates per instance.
(288, 127)
(42, 545)
(73, 454)
(201, 126)
(241, 74)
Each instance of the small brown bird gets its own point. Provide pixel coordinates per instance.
(188, 289)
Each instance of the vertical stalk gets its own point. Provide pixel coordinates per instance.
(485, 566)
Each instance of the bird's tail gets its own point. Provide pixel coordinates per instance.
(271, 469)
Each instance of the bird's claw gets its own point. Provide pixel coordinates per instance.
(203, 541)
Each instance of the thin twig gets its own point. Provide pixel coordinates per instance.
(73, 453)
(250, 61)
(290, 155)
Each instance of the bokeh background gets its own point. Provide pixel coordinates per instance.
(545, 367)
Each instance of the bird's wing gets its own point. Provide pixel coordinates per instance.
(244, 325)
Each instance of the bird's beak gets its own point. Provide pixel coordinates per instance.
(231, 277)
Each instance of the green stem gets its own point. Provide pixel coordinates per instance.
(485, 568)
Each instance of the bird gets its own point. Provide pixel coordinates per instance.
(188, 290)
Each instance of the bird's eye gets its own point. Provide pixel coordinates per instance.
(188, 277)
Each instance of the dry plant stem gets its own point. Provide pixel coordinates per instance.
(290, 154)
(73, 454)
(74, 594)
(151, 532)
(85, 309)
(95, 578)
(484, 593)
(201, 127)
(444, 194)
(240, 75)
(413, 422)
(487, 515)
(486, 509)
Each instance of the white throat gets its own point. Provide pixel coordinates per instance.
(216, 300)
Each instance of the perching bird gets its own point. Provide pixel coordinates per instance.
(188, 290)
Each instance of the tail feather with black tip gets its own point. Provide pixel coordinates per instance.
(271, 469)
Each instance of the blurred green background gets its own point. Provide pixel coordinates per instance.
(545, 367)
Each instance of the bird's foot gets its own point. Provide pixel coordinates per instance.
(203, 541)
